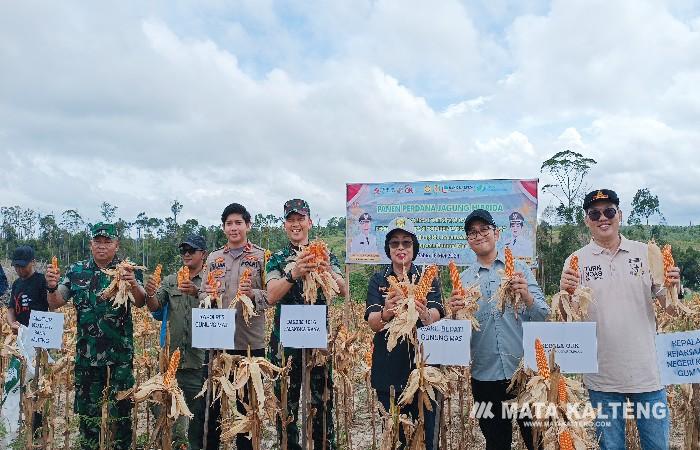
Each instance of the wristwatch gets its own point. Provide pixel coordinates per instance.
(288, 276)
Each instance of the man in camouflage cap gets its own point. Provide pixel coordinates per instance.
(105, 342)
(286, 287)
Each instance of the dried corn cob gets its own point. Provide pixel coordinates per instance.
(510, 262)
(573, 265)
(368, 356)
(157, 273)
(565, 441)
(669, 262)
(425, 283)
(172, 368)
(183, 275)
(563, 397)
(54, 263)
(245, 276)
(541, 358)
(456, 281)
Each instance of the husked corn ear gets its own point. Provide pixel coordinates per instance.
(573, 265)
(183, 275)
(245, 276)
(565, 441)
(172, 368)
(454, 277)
(541, 358)
(425, 283)
(563, 396)
(157, 273)
(54, 263)
(668, 259)
(368, 356)
(509, 261)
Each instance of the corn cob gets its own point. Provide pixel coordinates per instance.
(668, 261)
(172, 368)
(565, 441)
(368, 356)
(563, 396)
(211, 281)
(157, 273)
(542, 366)
(245, 276)
(183, 275)
(54, 263)
(456, 281)
(510, 262)
(573, 265)
(425, 284)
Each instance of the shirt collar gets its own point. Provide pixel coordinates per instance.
(246, 248)
(624, 246)
(93, 264)
(389, 270)
(499, 259)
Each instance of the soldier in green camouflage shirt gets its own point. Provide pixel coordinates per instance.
(286, 288)
(105, 343)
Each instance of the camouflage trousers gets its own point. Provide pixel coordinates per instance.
(320, 377)
(90, 383)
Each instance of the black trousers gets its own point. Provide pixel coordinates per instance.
(214, 427)
(498, 430)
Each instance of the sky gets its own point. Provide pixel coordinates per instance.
(256, 101)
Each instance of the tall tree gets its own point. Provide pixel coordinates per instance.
(175, 207)
(108, 211)
(568, 169)
(644, 205)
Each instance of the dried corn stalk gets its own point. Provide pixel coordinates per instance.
(317, 278)
(119, 290)
(163, 389)
(403, 325)
(211, 300)
(471, 295)
(506, 295)
(245, 301)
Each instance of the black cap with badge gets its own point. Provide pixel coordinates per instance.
(600, 195)
(22, 256)
(195, 241)
(479, 214)
(296, 205)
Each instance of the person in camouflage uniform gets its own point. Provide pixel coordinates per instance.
(104, 344)
(173, 303)
(286, 288)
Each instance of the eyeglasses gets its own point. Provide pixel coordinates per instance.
(594, 214)
(405, 244)
(471, 234)
(364, 221)
(186, 250)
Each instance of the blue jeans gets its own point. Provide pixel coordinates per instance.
(649, 409)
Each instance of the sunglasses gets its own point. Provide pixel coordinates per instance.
(471, 235)
(404, 244)
(186, 250)
(594, 214)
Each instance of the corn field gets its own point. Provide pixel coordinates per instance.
(359, 420)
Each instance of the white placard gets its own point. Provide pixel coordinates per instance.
(213, 328)
(447, 342)
(46, 329)
(303, 326)
(575, 344)
(678, 355)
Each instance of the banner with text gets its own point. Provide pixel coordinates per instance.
(46, 329)
(438, 210)
(575, 344)
(213, 328)
(447, 342)
(678, 355)
(303, 326)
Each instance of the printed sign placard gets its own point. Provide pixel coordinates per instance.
(575, 344)
(447, 342)
(46, 329)
(438, 210)
(303, 326)
(213, 328)
(678, 355)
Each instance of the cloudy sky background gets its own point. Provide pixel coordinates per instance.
(139, 103)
